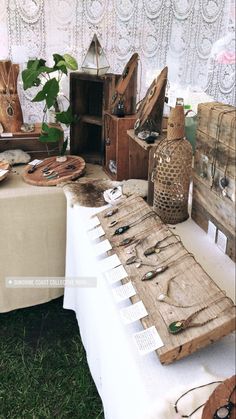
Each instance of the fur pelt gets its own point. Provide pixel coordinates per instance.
(88, 192)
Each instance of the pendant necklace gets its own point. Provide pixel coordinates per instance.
(133, 239)
(162, 268)
(189, 391)
(224, 412)
(112, 211)
(157, 248)
(117, 221)
(180, 325)
(126, 227)
(10, 110)
(224, 181)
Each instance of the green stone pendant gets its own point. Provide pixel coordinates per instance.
(149, 275)
(121, 230)
(176, 327)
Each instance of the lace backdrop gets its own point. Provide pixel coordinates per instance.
(179, 33)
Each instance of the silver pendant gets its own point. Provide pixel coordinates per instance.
(10, 110)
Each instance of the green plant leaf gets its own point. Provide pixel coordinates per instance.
(61, 65)
(71, 62)
(39, 97)
(51, 90)
(57, 58)
(45, 127)
(53, 135)
(65, 117)
(30, 78)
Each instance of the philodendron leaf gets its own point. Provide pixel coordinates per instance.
(61, 65)
(39, 97)
(53, 135)
(30, 78)
(45, 128)
(65, 117)
(71, 62)
(57, 58)
(51, 89)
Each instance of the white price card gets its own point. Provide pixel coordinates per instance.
(102, 247)
(221, 241)
(116, 274)
(148, 340)
(211, 231)
(6, 134)
(96, 233)
(93, 222)
(109, 263)
(124, 292)
(35, 162)
(134, 312)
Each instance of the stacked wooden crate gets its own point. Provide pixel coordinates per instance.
(215, 160)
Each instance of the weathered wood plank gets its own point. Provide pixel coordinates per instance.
(189, 284)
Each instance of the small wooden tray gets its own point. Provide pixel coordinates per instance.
(38, 179)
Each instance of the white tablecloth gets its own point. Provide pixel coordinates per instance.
(133, 386)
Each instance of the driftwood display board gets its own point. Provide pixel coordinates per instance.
(189, 284)
(214, 162)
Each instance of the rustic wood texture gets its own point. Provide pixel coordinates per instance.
(220, 397)
(38, 179)
(29, 142)
(209, 116)
(90, 97)
(117, 144)
(215, 157)
(126, 87)
(153, 104)
(190, 284)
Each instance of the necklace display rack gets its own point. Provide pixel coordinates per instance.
(123, 100)
(180, 291)
(51, 173)
(150, 112)
(11, 117)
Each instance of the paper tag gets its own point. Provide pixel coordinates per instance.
(124, 292)
(6, 134)
(172, 101)
(3, 172)
(96, 233)
(102, 247)
(148, 340)
(134, 312)
(35, 162)
(115, 275)
(109, 263)
(93, 222)
(221, 241)
(211, 232)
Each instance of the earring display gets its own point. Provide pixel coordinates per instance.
(150, 112)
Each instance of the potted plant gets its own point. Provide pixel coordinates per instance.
(38, 73)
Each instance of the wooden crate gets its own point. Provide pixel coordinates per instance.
(215, 151)
(190, 285)
(29, 142)
(90, 97)
(117, 144)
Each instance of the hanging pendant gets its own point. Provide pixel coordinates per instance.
(224, 182)
(176, 327)
(120, 230)
(111, 212)
(10, 110)
(131, 260)
(224, 412)
(113, 223)
(124, 242)
(149, 251)
(138, 265)
(152, 274)
(162, 297)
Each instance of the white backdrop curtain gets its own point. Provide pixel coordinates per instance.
(187, 35)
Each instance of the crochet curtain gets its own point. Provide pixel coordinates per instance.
(195, 38)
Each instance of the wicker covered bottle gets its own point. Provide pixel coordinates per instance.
(172, 171)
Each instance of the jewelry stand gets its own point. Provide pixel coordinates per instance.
(10, 109)
(150, 113)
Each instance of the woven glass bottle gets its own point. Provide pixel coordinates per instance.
(172, 171)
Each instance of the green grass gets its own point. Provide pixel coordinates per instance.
(43, 367)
